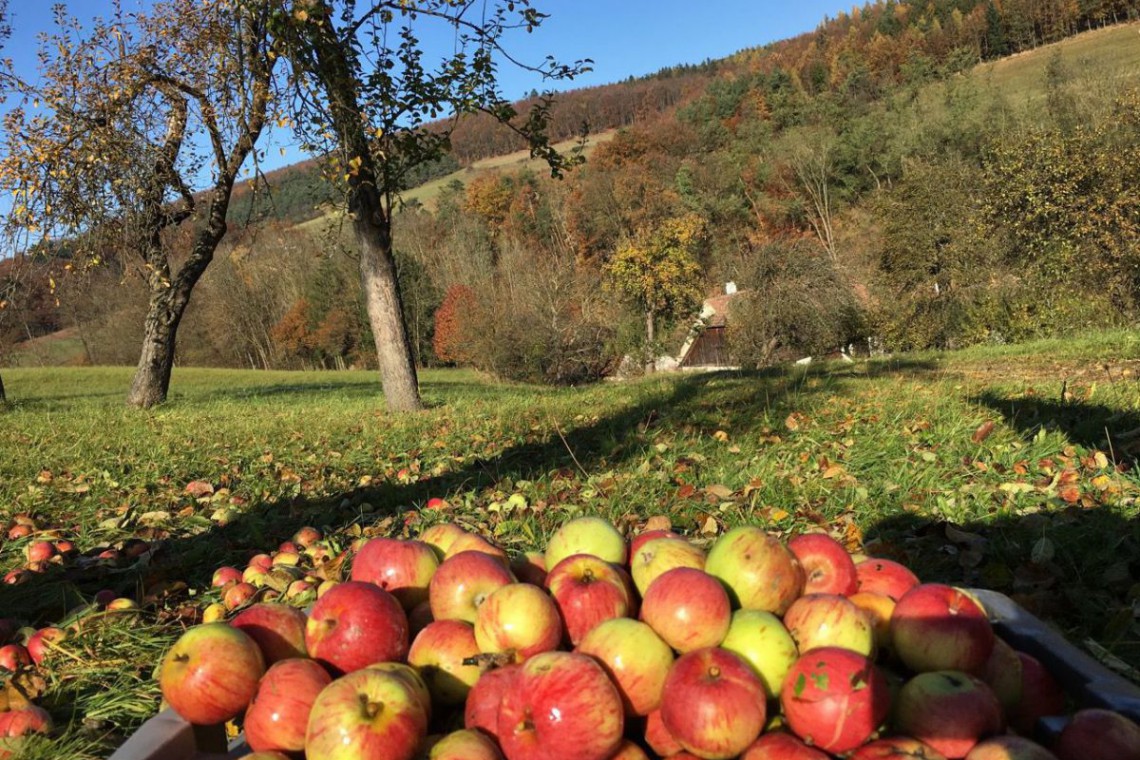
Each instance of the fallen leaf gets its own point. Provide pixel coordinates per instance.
(834, 471)
(983, 431)
(719, 491)
(709, 526)
(1043, 551)
(658, 522)
(199, 488)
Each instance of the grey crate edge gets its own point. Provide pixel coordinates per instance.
(166, 736)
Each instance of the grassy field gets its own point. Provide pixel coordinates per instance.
(891, 455)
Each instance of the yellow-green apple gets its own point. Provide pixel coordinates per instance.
(279, 712)
(518, 618)
(658, 737)
(635, 658)
(828, 568)
(13, 656)
(756, 569)
(530, 567)
(878, 608)
(411, 677)
(211, 673)
(661, 555)
(627, 750)
(834, 699)
(687, 608)
(1002, 672)
(366, 715)
(472, 542)
(560, 706)
(937, 627)
(949, 710)
(214, 613)
(588, 590)
(765, 644)
(441, 536)
(286, 559)
(225, 575)
(15, 725)
(464, 745)
(1012, 747)
(462, 582)
(402, 568)
(301, 593)
(586, 535)
(1097, 734)
(829, 620)
(1041, 695)
(255, 575)
(481, 711)
(645, 536)
(325, 586)
(43, 641)
(278, 629)
(438, 652)
(884, 576)
(779, 745)
(356, 624)
(714, 703)
(895, 748)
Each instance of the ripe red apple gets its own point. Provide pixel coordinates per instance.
(588, 590)
(636, 660)
(262, 561)
(211, 673)
(518, 618)
(586, 535)
(41, 642)
(19, 531)
(758, 571)
(644, 537)
(472, 542)
(438, 652)
(441, 536)
(829, 620)
(402, 568)
(40, 551)
(224, 575)
(938, 627)
(1002, 673)
(278, 629)
(949, 710)
(560, 706)
(828, 568)
(462, 582)
(355, 624)
(1096, 734)
(781, 746)
(435, 503)
(1041, 695)
(658, 737)
(714, 704)
(307, 536)
(17, 724)
(1012, 748)
(17, 576)
(761, 639)
(13, 656)
(834, 699)
(688, 609)
(411, 678)
(481, 710)
(277, 716)
(64, 547)
(662, 555)
(530, 567)
(366, 715)
(464, 745)
(884, 576)
(895, 748)
(238, 594)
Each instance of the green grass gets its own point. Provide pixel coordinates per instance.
(881, 452)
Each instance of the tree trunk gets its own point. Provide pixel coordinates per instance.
(650, 347)
(3, 396)
(152, 376)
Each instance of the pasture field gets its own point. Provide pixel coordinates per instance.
(1007, 467)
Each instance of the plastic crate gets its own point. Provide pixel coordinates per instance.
(166, 736)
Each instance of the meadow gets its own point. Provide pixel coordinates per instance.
(1006, 467)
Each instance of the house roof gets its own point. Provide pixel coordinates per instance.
(718, 306)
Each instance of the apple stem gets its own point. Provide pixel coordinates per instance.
(371, 709)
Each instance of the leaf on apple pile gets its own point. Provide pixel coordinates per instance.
(490, 660)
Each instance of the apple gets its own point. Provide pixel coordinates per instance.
(402, 568)
(441, 536)
(214, 613)
(238, 594)
(438, 652)
(828, 568)
(530, 567)
(462, 582)
(588, 590)
(688, 609)
(761, 639)
(949, 710)
(472, 542)
(895, 748)
(1096, 734)
(781, 746)
(644, 537)
(627, 750)
(366, 715)
(481, 711)
(287, 547)
(261, 561)
(560, 706)
(14, 656)
(636, 660)
(279, 712)
(1002, 673)
(435, 503)
(834, 699)
(16, 724)
(265, 756)
(884, 576)
(122, 604)
(17, 576)
(661, 555)
(586, 535)
(64, 547)
(829, 620)
(301, 593)
(278, 629)
(411, 677)
(211, 673)
(1041, 695)
(356, 624)
(40, 551)
(756, 569)
(42, 641)
(714, 704)
(1011, 748)
(307, 536)
(19, 531)
(255, 575)
(518, 618)
(878, 608)
(658, 737)
(464, 745)
(938, 627)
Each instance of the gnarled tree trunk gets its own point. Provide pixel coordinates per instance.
(3, 396)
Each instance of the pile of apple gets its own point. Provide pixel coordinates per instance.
(444, 648)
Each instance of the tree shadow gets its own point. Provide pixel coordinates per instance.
(1092, 426)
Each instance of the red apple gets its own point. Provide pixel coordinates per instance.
(355, 624)
(1012, 748)
(949, 710)
(781, 746)
(278, 629)
(402, 568)
(884, 576)
(472, 542)
(262, 561)
(19, 531)
(937, 627)
(17, 724)
(834, 699)
(441, 536)
(828, 568)
(464, 745)
(435, 503)
(530, 567)
(65, 547)
(518, 618)
(761, 639)
(714, 704)
(688, 609)
(829, 620)
(644, 537)
(481, 710)
(1002, 673)
(586, 535)
(211, 673)
(462, 582)
(307, 536)
(17, 576)
(40, 551)
(588, 590)
(277, 716)
(41, 642)
(366, 715)
(895, 748)
(636, 660)
(661, 555)
(438, 652)
(658, 737)
(1041, 695)
(288, 547)
(411, 677)
(14, 656)
(561, 706)
(758, 571)
(238, 594)
(627, 750)
(1096, 734)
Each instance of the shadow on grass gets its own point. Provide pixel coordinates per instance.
(1082, 423)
